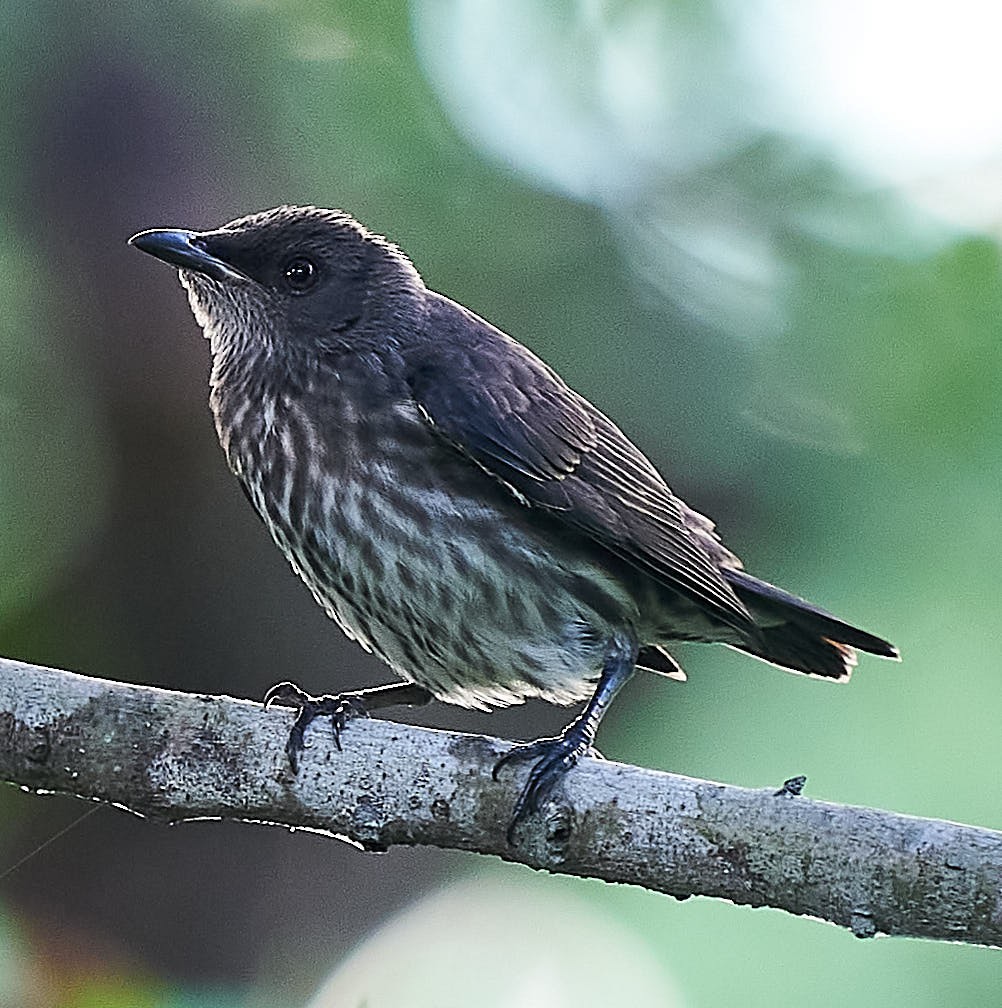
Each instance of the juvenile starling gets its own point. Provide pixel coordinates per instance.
(452, 504)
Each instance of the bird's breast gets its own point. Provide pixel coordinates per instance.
(421, 557)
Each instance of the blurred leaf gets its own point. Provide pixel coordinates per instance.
(15, 974)
(500, 943)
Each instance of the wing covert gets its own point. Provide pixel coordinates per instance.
(500, 405)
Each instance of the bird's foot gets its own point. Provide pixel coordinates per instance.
(340, 708)
(553, 758)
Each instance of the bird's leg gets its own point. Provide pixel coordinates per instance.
(339, 707)
(555, 756)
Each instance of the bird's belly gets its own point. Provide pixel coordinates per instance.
(457, 594)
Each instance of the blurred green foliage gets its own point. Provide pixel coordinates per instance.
(809, 357)
(53, 471)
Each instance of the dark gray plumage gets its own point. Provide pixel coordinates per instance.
(448, 499)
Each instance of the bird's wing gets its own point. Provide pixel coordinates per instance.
(500, 405)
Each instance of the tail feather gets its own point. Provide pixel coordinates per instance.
(795, 634)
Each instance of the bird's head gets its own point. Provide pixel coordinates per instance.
(293, 281)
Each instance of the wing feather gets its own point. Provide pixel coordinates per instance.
(499, 404)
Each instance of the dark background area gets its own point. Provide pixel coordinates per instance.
(798, 323)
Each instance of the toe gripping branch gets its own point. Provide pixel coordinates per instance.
(555, 756)
(551, 758)
(339, 707)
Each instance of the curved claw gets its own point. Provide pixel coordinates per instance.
(554, 757)
(287, 691)
(340, 708)
(346, 707)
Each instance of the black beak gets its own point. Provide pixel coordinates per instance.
(186, 250)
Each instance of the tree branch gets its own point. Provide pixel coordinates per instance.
(177, 756)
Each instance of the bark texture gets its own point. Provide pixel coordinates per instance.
(175, 756)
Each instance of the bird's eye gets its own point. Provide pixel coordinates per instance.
(300, 274)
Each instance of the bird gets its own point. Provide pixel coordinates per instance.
(451, 502)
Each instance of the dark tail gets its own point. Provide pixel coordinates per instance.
(797, 635)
